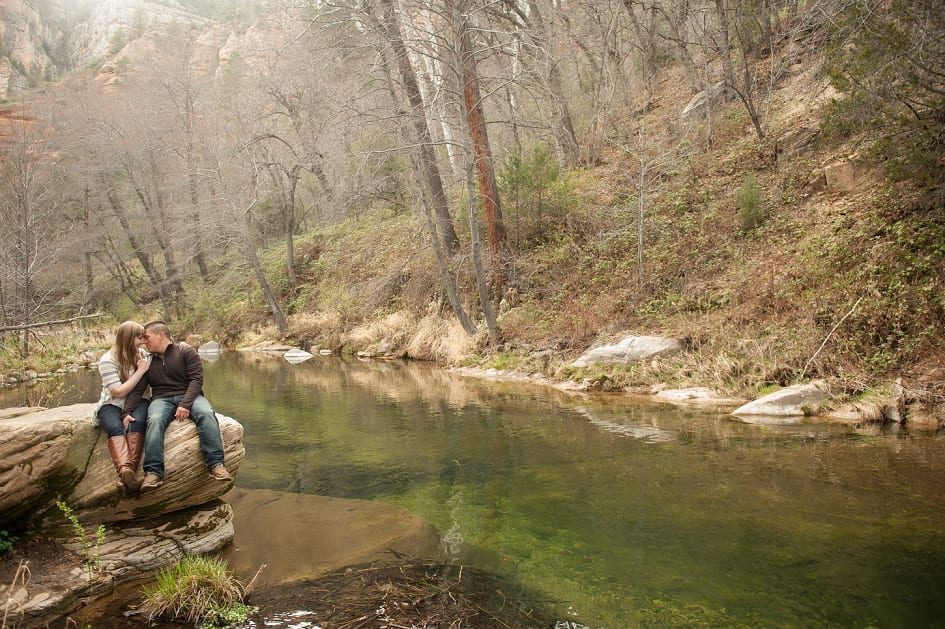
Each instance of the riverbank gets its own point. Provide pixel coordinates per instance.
(703, 375)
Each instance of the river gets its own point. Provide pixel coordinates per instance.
(623, 512)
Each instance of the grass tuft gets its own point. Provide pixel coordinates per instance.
(199, 591)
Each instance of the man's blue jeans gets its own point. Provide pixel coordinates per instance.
(161, 413)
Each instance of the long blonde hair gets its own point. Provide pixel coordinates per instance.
(125, 349)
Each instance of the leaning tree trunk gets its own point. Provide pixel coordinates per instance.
(249, 250)
(427, 161)
(459, 45)
(137, 247)
(479, 138)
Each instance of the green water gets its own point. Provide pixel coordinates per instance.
(623, 513)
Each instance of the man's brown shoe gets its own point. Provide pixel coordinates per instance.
(219, 472)
(151, 481)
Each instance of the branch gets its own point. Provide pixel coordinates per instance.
(829, 334)
(27, 326)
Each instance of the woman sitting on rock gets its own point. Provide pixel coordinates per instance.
(121, 368)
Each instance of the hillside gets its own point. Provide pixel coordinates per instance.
(823, 286)
(793, 233)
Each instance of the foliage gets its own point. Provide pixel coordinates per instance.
(887, 61)
(199, 590)
(537, 196)
(901, 259)
(91, 550)
(7, 541)
(751, 210)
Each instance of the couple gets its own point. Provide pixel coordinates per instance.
(174, 372)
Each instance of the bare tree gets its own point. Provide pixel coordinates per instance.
(477, 156)
(388, 25)
(536, 32)
(30, 216)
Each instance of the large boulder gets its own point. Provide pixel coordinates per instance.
(52, 454)
(630, 350)
(800, 400)
(54, 585)
(48, 455)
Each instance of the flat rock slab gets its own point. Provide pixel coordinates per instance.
(299, 536)
(630, 350)
(795, 401)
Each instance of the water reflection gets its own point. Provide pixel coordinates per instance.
(629, 513)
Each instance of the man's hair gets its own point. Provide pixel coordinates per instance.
(159, 327)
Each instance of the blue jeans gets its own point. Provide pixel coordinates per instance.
(161, 413)
(109, 419)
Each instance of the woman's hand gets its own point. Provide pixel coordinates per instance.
(143, 363)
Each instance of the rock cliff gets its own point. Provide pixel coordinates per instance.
(42, 40)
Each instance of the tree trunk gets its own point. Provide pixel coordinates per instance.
(485, 301)
(427, 161)
(250, 251)
(566, 142)
(193, 186)
(442, 264)
(725, 44)
(136, 246)
(479, 138)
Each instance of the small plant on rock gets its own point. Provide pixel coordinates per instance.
(6, 541)
(90, 550)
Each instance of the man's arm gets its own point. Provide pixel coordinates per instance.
(194, 367)
(135, 396)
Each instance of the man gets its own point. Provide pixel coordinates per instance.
(176, 380)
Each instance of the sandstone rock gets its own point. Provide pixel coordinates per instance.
(52, 454)
(295, 356)
(695, 109)
(629, 350)
(130, 552)
(845, 176)
(57, 452)
(35, 450)
(795, 401)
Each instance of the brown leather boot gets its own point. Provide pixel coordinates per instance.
(118, 448)
(135, 448)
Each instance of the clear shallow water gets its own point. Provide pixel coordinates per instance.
(627, 513)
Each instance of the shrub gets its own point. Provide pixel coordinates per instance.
(199, 591)
(751, 210)
(538, 199)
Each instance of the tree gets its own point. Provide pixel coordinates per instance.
(889, 61)
(478, 156)
(237, 192)
(388, 25)
(30, 217)
(536, 32)
(479, 141)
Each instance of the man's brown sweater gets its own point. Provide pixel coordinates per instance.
(178, 371)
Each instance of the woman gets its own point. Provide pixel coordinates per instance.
(121, 368)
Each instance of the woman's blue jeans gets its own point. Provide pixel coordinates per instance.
(109, 419)
(161, 413)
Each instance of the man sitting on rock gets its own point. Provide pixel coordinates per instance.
(176, 381)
